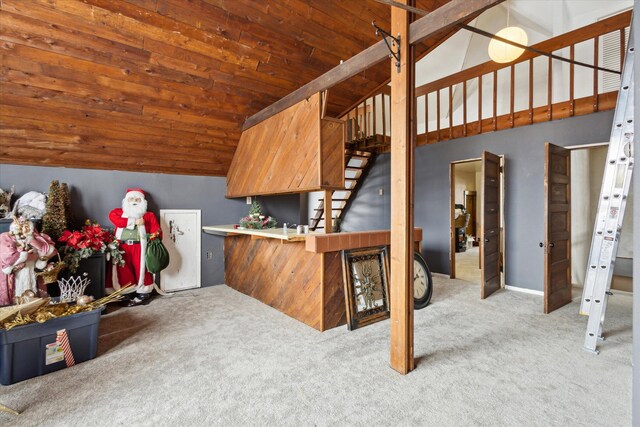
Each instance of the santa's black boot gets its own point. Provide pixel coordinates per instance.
(139, 299)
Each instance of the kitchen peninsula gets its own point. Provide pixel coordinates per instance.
(299, 275)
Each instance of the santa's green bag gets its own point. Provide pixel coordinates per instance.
(157, 257)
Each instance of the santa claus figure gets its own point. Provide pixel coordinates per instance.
(134, 227)
(22, 250)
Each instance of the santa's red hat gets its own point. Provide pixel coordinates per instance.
(134, 192)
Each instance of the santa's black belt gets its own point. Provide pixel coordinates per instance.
(130, 242)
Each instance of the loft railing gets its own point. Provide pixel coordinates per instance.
(368, 124)
(492, 96)
(535, 75)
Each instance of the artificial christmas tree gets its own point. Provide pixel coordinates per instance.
(54, 221)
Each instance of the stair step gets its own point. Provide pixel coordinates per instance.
(354, 168)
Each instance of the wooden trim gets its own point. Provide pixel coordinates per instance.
(441, 19)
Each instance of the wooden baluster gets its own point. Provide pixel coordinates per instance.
(623, 48)
(495, 100)
(464, 108)
(384, 120)
(596, 41)
(373, 109)
(328, 211)
(549, 91)
(572, 102)
(364, 119)
(480, 104)
(450, 112)
(531, 91)
(438, 113)
(512, 92)
(426, 118)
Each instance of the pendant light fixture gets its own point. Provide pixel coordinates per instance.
(502, 52)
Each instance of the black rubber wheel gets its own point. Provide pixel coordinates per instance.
(422, 282)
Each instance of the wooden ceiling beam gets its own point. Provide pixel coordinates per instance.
(443, 18)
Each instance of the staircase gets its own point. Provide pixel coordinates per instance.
(357, 162)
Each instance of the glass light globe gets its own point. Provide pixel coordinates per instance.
(502, 52)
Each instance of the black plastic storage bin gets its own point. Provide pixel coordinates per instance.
(22, 349)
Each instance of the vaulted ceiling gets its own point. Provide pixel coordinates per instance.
(165, 85)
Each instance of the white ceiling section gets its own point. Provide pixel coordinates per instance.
(541, 19)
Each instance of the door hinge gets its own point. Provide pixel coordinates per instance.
(501, 169)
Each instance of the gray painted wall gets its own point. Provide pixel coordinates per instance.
(95, 192)
(523, 149)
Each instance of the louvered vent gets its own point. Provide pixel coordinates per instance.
(610, 58)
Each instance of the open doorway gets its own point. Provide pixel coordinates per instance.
(573, 179)
(587, 170)
(477, 222)
(467, 193)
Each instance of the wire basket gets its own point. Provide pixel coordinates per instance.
(51, 275)
(73, 287)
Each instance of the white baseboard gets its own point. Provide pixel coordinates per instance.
(523, 290)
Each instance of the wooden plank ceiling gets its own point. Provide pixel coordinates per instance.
(165, 85)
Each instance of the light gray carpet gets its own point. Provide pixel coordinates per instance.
(216, 357)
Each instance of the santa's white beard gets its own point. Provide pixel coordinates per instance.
(134, 210)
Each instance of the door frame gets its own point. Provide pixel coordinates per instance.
(570, 148)
(452, 237)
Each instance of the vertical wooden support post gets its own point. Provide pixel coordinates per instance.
(328, 212)
(403, 130)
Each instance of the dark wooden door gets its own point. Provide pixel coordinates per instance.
(490, 225)
(557, 226)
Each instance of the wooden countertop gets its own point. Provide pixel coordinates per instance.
(315, 242)
(269, 233)
(334, 242)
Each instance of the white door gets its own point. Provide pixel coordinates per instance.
(181, 236)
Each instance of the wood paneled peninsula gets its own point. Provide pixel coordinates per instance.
(299, 275)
